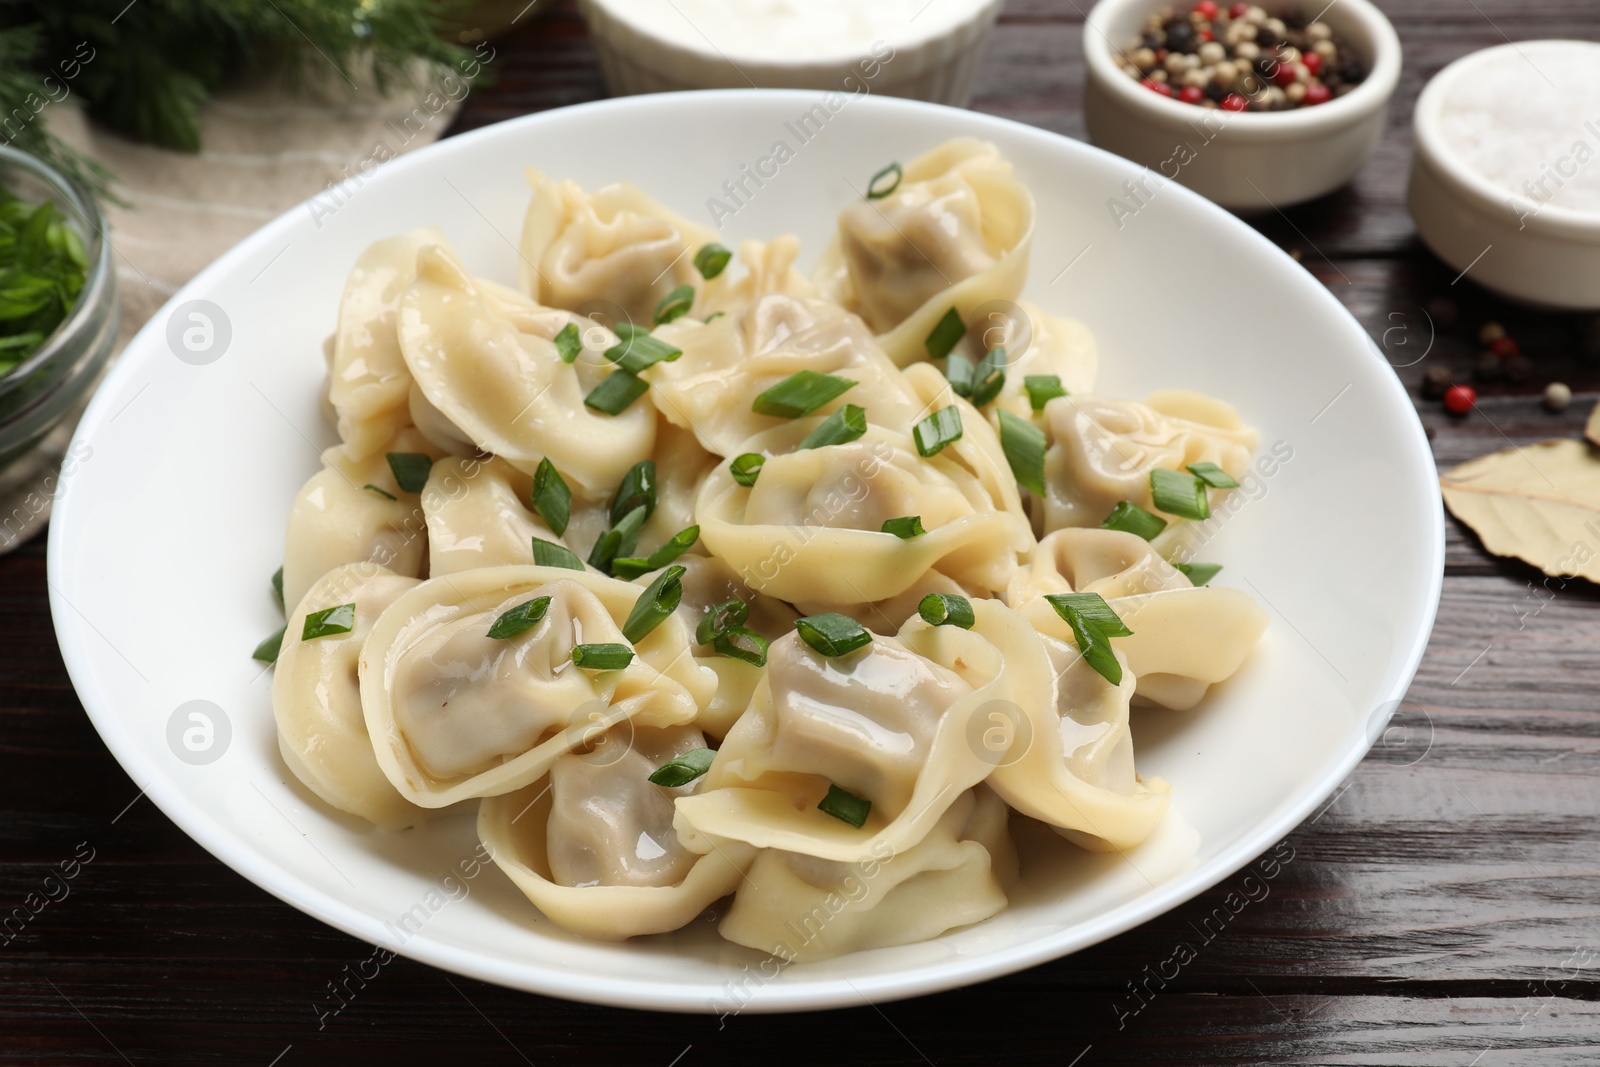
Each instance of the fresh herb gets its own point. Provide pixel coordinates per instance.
(369, 487)
(329, 621)
(277, 587)
(1093, 625)
(1198, 573)
(947, 332)
(620, 540)
(1131, 518)
(616, 391)
(936, 431)
(712, 260)
(659, 600)
(550, 554)
(602, 657)
(713, 317)
(1212, 475)
(637, 350)
(846, 807)
(800, 394)
(638, 490)
(267, 651)
(747, 467)
(736, 642)
(569, 343)
(681, 770)
(675, 305)
(631, 567)
(1042, 388)
(843, 426)
(552, 497)
(1023, 444)
(410, 470)
(905, 527)
(1179, 493)
(885, 182)
(959, 372)
(720, 618)
(519, 619)
(990, 377)
(42, 269)
(946, 609)
(832, 634)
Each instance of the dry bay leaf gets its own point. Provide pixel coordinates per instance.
(1539, 503)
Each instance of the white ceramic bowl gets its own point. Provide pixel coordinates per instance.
(165, 534)
(1545, 255)
(1247, 161)
(932, 56)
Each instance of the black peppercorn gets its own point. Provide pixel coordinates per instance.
(1517, 369)
(1488, 368)
(1435, 380)
(1352, 70)
(1266, 38)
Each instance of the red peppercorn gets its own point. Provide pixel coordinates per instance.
(1312, 60)
(1282, 74)
(1206, 9)
(1458, 399)
(1234, 102)
(1161, 55)
(1191, 94)
(1238, 11)
(1317, 93)
(1505, 347)
(1206, 35)
(1155, 86)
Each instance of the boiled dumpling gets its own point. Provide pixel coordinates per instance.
(1037, 344)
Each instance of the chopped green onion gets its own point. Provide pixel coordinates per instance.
(552, 497)
(885, 182)
(569, 344)
(832, 634)
(1131, 518)
(1093, 625)
(602, 657)
(843, 426)
(659, 599)
(1023, 444)
(329, 621)
(410, 469)
(720, 617)
(631, 567)
(675, 304)
(1212, 475)
(714, 316)
(615, 392)
(905, 527)
(1043, 388)
(267, 651)
(800, 394)
(941, 428)
(947, 332)
(521, 618)
(1179, 493)
(620, 540)
(681, 770)
(550, 554)
(946, 609)
(638, 350)
(959, 372)
(712, 260)
(846, 807)
(989, 378)
(746, 468)
(369, 487)
(1198, 573)
(277, 587)
(638, 490)
(738, 643)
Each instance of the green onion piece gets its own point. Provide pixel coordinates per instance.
(959, 372)
(329, 621)
(410, 469)
(552, 497)
(989, 378)
(1131, 518)
(569, 343)
(712, 260)
(620, 540)
(1093, 625)
(681, 770)
(885, 182)
(846, 807)
(659, 599)
(1023, 444)
(602, 657)
(905, 527)
(1198, 573)
(746, 468)
(631, 567)
(720, 617)
(832, 634)
(1043, 388)
(1179, 493)
(369, 487)
(675, 305)
(521, 618)
(638, 490)
(941, 428)
(277, 587)
(1212, 475)
(638, 350)
(946, 609)
(714, 316)
(550, 554)
(615, 392)
(842, 427)
(800, 394)
(738, 643)
(947, 332)
(267, 651)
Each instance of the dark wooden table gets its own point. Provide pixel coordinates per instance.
(1443, 908)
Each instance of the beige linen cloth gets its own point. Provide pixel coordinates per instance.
(265, 152)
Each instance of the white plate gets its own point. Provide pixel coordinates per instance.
(168, 527)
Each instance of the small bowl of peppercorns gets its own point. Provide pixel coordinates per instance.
(1255, 107)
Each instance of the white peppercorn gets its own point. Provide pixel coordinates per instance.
(1557, 395)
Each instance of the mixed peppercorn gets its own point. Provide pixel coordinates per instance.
(1240, 58)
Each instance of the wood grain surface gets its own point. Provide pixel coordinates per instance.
(1443, 908)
